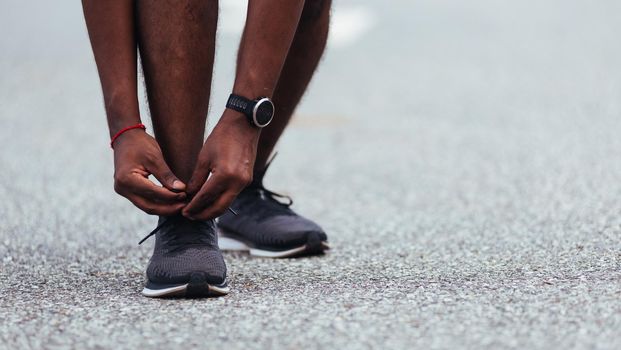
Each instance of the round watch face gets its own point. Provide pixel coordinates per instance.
(263, 112)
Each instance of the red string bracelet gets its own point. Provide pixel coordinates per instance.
(116, 136)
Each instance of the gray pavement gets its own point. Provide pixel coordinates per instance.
(464, 158)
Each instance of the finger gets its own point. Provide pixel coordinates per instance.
(143, 187)
(199, 177)
(165, 176)
(217, 208)
(154, 208)
(208, 194)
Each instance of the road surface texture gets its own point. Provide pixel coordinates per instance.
(464, 158)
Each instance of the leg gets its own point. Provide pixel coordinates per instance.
(230, 151)
(304, 55)
(265, 226)
(177, 43)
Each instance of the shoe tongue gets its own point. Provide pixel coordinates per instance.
(172, 218)
(181, 224)
(186, 233)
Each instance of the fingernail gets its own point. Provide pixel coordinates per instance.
(178, 185)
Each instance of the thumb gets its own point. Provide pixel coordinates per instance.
(165, 176)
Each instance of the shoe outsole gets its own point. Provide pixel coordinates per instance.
(313, 246)
(197, 287)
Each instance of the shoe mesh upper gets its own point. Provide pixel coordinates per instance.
(265, 222)
(185, 247)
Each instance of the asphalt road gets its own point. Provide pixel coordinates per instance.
(464, 158)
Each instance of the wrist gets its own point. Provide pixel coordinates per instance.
(259, 111)
(125, 133)
(240, 122)
(117, 124)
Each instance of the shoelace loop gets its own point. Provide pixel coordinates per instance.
(265, 194)
(165, 222)
(177, 239)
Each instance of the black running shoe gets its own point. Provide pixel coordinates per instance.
(266, 227)
(186, 261)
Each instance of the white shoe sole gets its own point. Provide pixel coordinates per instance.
(227, 243)
(186, 290)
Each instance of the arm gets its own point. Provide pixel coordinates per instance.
(229, 152)
(111, 30)
(136, 154)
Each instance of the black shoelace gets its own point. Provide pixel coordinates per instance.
(276, 197)
(164, 222)
(264, 193)
(167, 221)
(179, 239)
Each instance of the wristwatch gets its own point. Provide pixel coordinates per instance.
(260, 111)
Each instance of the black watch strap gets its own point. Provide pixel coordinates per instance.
(240, 104)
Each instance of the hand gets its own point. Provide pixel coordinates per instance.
(228, 155)
(136, 156)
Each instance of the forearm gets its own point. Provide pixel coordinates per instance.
(270, 28)
(111, 30)
(226, 161)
